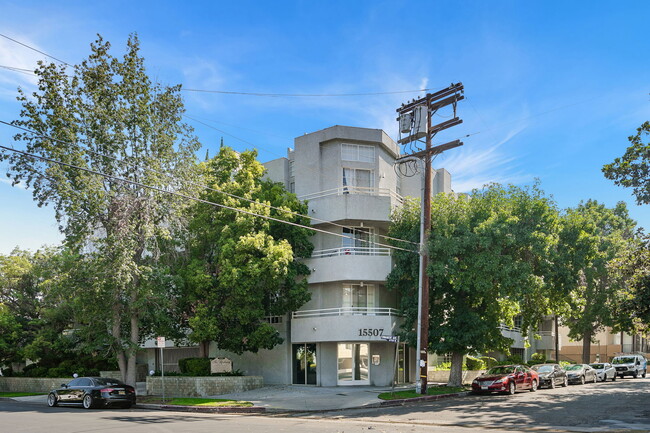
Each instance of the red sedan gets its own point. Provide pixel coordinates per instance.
(506, 378)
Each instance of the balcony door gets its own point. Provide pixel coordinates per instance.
(359, 298)
(358, 240)
(353, 364)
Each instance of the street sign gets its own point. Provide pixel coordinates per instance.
(390, 339)
(160, 342)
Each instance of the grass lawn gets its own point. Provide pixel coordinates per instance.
(20, 394)
(211, 402)
(434, 390)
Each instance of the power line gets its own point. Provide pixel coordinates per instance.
(131, 182)
(151, 170)
(34, 49)
(303, 95)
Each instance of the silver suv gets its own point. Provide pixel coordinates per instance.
(630, 365)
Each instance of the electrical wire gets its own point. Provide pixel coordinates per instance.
(303, 95)
(34, 49)
(182, 195)
(203, 185)
(237, 197)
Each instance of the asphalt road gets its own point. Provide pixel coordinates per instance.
(618, 406)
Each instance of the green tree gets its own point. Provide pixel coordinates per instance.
(243, 268)
(107, 116)
(487, 261)
(633, 168)
(592, 237)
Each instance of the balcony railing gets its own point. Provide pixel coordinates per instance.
(509, 328)
(351, 251)
(347, 311)
(344, 190)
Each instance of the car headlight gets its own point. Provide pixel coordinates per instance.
(498, 381)
(475, 381)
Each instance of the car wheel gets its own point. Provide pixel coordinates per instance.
(511, 388)
(643, 374)
(614, 378)
(88, 402)
(635, 374)
(566, 382)
(52, 400)
(533, 386)
(552, 385)
(127, 406)
(582, 380)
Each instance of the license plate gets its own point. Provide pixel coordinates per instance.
(121, 392)
(484, 388)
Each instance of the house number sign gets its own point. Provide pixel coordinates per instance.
(371, 332)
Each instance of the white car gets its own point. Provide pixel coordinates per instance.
(604, 370)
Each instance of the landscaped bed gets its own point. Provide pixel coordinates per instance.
(434, 390)
(199, 402)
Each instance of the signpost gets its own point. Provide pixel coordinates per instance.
(160, 341)
(393, 339)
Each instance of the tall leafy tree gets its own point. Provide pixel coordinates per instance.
(106, 115)
(487, 262)
(592, 238)
(243, 268)
(633, 168)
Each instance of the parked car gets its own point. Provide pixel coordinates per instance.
(630, 365)
(581, 373)
(604, 371)
(93, 392)
(551, 375)
(506, 378)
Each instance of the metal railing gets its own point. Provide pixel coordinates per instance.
(351, 251)
(346, 311)
(508, 328)
(357, 190)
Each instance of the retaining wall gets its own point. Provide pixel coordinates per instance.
(31, 384)
(443, 375)
(176, 386)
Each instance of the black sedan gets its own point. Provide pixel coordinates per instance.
(581, 373)
(93, 392)
(551, 375)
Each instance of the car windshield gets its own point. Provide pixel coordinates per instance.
(543, 368)
(501, 370)
(573, 367)
(598, 366)
(625, 360)
(104, 381)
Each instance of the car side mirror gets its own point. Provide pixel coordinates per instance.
(64, 385)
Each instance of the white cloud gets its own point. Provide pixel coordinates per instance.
(14, 56)
(9, 181)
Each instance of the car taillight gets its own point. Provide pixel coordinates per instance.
(107, 390)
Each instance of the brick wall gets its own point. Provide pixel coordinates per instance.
(176, 386)
(31, 384)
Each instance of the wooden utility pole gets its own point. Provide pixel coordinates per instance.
(413, 114)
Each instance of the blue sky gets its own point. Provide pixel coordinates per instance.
(553, 89)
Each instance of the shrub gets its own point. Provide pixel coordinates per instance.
(474, 363)
(194, 366)
(489, 361)
(444, 366)
(538, 358)
(514, 359)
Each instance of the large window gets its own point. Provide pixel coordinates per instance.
(357, 152)
(304, 364)
(359, 296)
(353, 366)
(358, 240)
(360, 178)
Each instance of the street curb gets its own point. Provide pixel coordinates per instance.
(403, 401)
(202, 409)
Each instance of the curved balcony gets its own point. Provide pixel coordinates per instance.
(344, 324)
(353, 202)
(349, 263)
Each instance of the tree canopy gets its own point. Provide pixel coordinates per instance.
(242, 268)
(116, 131)
(633, 168)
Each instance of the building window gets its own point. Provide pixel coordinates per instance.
(273, 319)
(358, 178)
(359, 296)
(358, 240)
(357, 152)
(518, 321)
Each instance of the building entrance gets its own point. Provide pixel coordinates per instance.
(353, 365)
(304, 364)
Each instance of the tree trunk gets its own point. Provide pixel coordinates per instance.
(456, 372)
(586, 347)
(204, 349)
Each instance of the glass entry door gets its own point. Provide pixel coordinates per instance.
(304, 364)
(353, 364)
